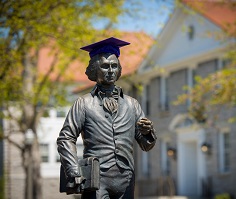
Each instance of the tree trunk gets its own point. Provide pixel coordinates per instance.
(31, 154)
(33, 180)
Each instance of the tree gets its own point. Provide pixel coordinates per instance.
(218, 89)
(212, 93)
(26, 27)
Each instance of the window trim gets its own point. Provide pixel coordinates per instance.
(43, 153)
(222, 153)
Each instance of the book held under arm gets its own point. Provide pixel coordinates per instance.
(89, 180)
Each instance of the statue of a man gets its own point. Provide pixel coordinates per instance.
(108, 121)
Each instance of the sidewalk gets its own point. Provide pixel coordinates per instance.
(164, 197)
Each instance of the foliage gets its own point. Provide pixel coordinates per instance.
(222, 196)
(2, 190)
(217, 90)
(27, 27)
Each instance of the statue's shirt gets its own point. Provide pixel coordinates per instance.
(107, 136)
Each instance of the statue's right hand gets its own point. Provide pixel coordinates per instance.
(75, 183)
(79, 180)
(71, 178)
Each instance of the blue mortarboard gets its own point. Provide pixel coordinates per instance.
(110, 45)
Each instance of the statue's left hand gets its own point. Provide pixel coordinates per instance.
(145, 126)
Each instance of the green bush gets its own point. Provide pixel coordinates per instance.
(222, 196)
(2, 187)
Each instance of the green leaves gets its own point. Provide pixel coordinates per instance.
(217, 89)
(28, 27)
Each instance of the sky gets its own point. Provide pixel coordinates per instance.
(144, 15)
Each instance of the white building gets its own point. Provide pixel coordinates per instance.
(177, 165)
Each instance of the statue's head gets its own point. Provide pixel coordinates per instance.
(104, 66)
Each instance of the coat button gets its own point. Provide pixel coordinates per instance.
(106, 115)
(117, 150)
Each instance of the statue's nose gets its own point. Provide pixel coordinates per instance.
(110, 69)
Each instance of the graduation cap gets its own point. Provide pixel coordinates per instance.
(110, 45)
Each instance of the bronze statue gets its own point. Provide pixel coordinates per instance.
(108, 122)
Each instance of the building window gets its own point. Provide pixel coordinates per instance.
(225, 63)
(206, 68)
(191, 32)
(146, 99)
(224, 152)
(44, 150)
(165, 161)
(191, 73)
(164, 102)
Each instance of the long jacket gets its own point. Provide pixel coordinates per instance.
(105, 136)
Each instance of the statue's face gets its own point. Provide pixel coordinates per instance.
(107, 70)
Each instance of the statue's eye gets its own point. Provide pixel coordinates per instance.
(114, 65)
(105, 66)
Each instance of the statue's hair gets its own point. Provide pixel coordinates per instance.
(91, 70)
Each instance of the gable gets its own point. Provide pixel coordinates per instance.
(221, 13)
(174, 44)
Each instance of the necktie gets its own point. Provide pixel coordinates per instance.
(110, 104)
(110, 100)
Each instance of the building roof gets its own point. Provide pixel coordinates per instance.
(130, 58)
(221, 13)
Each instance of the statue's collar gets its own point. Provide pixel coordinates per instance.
(96, 90)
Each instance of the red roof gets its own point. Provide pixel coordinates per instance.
(130, 58)
(222, 13)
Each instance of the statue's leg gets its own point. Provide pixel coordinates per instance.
(119, 183)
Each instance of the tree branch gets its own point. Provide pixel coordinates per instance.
(15, 119)
(46, 76)
(64, 68)
(37, 113)
(7, 137)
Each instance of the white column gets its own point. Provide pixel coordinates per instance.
(163, 97)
